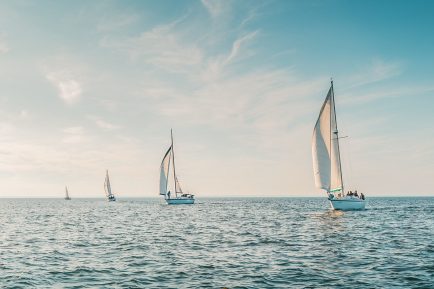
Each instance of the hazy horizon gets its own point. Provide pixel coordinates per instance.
(87, 86)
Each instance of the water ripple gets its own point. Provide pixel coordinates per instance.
(234, 243)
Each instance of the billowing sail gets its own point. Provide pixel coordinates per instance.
(164, 171)
(325, 148)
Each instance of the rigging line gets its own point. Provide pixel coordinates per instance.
(337, 136)
(173, 163)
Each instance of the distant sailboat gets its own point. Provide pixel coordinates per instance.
(327, 160)
(108, 188)
(67, 194)
(180, 197)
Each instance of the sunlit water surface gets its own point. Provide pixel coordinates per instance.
(234, 243)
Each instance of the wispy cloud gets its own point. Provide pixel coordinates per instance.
(69, 88)
(116, 22)
(216, 65)
(183, 48)
(68, 73)
(261, 101)
(357, 97)
(214, 94)
(161, 47)
(378, 70)
(73, 135)
(236, 47)
(106, 125)
(214, 7)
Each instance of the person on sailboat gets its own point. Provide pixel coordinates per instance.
(168, 194)
(355, 194)
(362, 196)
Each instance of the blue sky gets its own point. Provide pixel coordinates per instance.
(90, 85)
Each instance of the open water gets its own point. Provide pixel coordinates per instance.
(233, 243)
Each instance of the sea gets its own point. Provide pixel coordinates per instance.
(216, 243)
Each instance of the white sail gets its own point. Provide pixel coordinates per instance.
(321, 146)
(107, 186)
(67, 193)
(164, 171)
(178, 186)
(325, 148)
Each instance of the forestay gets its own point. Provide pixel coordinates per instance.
(178, 186)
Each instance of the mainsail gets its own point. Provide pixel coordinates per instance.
(164, 171)
(325, 148)
(107, 187)
(67, 194)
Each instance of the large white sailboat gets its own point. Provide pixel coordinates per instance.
(180, 197)
(67, 197)
(327, 160)
(108, 188)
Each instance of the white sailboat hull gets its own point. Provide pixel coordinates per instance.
(180, 201)
(348, 204)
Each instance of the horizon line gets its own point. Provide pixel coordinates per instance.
(208, 197)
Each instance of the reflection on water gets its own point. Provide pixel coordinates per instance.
(237, 243)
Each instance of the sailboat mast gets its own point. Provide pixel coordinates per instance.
(173, 161)
(168, 168)
(337, 139)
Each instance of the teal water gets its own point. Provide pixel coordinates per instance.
(234, 243)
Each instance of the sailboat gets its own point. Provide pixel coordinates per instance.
(108, 188)
(67, 194)
(180, 197)
(327, 160)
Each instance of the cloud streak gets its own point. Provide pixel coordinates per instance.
(160, 47)
(378, 70)
(116, 22)
(106, 125)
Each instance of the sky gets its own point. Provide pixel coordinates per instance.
(87, 86)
